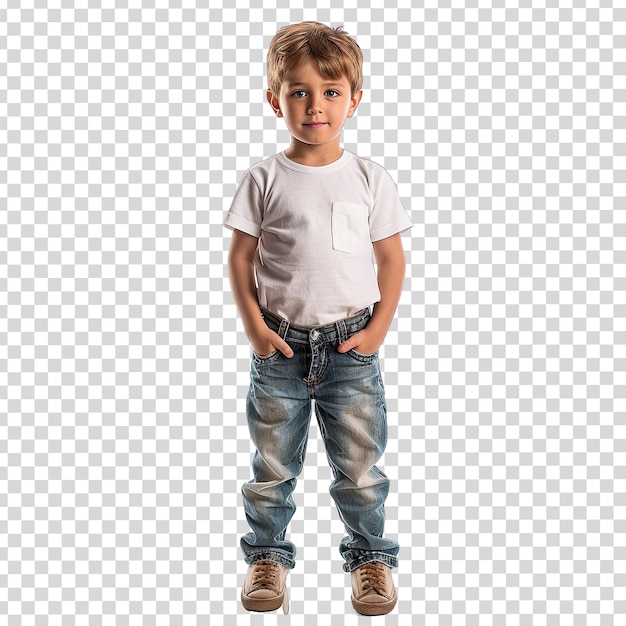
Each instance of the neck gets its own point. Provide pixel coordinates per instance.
(314, 156)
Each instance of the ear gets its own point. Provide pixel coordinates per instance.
(273, 100)
(354, 103)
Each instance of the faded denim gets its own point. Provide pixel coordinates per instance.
(351, 413)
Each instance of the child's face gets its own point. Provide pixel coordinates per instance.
(315, 108)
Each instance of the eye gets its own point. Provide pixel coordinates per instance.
(299, 94)
(332, 93)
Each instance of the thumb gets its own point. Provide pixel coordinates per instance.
(348, 344)
(283, 346)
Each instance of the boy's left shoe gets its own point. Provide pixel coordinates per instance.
(373, 591)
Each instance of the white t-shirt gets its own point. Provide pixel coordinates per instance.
(314, 262)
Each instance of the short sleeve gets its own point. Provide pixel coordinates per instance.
(246, 209)
(387, 216)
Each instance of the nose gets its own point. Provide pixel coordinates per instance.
(314, 107)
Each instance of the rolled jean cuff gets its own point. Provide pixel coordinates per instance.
(356, 558)
(271, 556)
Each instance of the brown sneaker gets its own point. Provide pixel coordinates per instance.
(265, 588)
(373, 591)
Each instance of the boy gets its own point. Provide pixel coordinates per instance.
(305, 223)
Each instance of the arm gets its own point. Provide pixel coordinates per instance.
(391, 266)
(241, 274)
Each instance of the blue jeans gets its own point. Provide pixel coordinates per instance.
(350, 409)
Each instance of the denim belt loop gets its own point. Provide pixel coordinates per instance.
(283, 328)
(342, 331)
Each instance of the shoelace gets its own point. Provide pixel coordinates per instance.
(373, 577)
(265, 574)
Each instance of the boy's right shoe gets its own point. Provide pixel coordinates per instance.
(265, 588)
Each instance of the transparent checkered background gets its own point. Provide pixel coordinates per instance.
(124, 130)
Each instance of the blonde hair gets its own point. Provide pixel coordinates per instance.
(334, 52)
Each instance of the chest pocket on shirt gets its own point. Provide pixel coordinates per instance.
(350, 226)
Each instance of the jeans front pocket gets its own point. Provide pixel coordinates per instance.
(266, 359)
(350, 226)
(362, 358)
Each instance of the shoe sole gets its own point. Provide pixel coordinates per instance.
(367, 608)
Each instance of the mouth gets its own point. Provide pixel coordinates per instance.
(315, 124)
